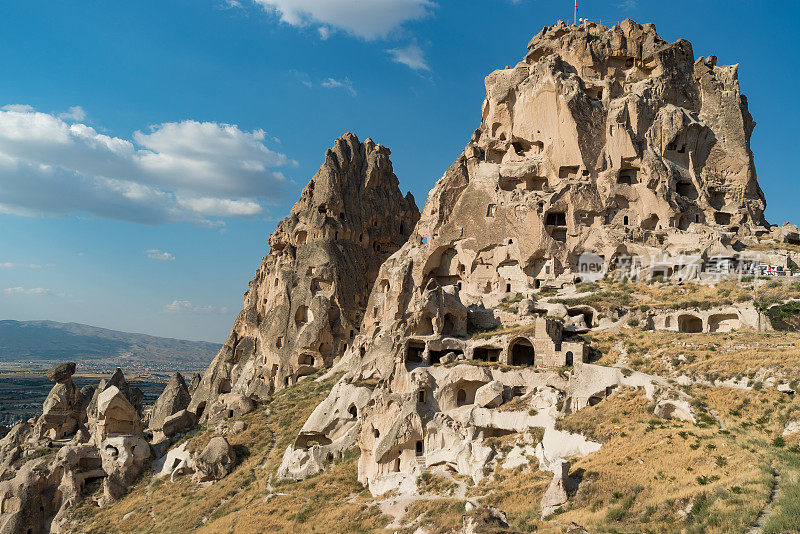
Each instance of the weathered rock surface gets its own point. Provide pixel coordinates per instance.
(556, 495)
(36, 495)
(63, 409)
(61, 372)
(603, 140)
(216, 461)
(306, 303)
(172, 400)
(484, 520)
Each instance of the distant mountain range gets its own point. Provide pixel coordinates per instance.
(49, 341)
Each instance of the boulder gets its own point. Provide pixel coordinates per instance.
(178, 461)
(674, 409)
(61, 372)
(792, 427)
(483, 520)
(450, 357)
(490, 395)
(177, 423)
(216, 461)
(173, 399)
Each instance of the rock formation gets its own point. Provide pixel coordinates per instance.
(42, 479)
(175, 397)
(216, 461)
(608, 141)
(62, 410)
(306, 303)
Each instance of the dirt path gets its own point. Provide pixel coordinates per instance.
(150, 499)
(758, 524)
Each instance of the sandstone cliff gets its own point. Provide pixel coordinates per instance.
(306, 303)
(602, 140)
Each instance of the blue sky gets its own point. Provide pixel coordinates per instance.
(148, 148)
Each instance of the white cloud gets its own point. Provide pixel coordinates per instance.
(179, 171)
(412, 56)
(186, 306)
(75, 113)
(370, 19)
(21, 108)
(12, 265)
(34, 291)
(332, 83)
(155, 254)
(628, 5)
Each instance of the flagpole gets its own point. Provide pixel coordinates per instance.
(575, 16)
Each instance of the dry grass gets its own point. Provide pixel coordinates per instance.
(722, 356)
(333, 501)
(653, 474)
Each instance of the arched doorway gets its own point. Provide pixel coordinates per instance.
(521, 352)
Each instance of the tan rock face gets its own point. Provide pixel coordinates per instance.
(609, 141)
(172, 400)
(306, 303)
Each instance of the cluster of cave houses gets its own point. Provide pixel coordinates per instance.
(542, 347)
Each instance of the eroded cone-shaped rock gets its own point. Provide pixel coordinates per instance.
(133, 395)
(307, 300)
(61, 372)
(172, 400)
(216, 461)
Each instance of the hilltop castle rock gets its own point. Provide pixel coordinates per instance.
(603, 140)
(306, 303)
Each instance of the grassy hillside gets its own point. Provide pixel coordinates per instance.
(730, 470)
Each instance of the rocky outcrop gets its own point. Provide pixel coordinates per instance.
(172, 400)
(64, 408)
(484, 520)
(306, 303)
(609, 141)
(71, 454)
(116, 416)
(556, 496)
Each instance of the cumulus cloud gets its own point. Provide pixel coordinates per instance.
(155, 254)
(412, 56)
(366, 19)
(180, 171)
(186, 306)
(346, 84)
(33, 291)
